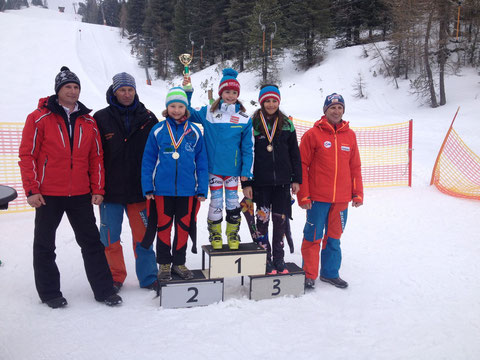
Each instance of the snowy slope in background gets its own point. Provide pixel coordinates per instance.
(410, 254)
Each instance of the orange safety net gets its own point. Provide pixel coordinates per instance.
(385, 151)
(10, 136)
(457, 170)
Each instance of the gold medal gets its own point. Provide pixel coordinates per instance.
(176, 144)
(269, 135)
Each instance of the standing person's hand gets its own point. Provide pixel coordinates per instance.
(201, 198)
(36, 200)
(356, 203)
(150, 196)
(97, 199)
(307, 206)
(295, 188)
(248, 192)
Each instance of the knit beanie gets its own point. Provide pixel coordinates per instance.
(123, 79)
(229, 81)
(269, 92)
(65, 76)
(333, 99)
(176, 94)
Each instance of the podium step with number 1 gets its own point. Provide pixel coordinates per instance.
(249, 259)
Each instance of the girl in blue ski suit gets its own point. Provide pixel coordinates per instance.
(229, 142)
(174, 171)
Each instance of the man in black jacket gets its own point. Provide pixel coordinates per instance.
(124, 127)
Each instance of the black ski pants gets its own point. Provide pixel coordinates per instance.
(80, 214)
(273, 199)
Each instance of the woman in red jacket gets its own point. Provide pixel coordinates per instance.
(331, 173)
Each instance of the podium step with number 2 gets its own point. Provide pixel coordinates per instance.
(199, 291)
(249, 259)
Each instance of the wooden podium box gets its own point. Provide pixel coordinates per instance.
(199, 291)
(272, 286)
(249, 259)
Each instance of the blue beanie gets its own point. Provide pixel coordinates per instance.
(333, 99)
(229, 81)
(123, 79)
(269, 92)
(176, 94)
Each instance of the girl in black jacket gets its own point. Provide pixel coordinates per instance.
(277, 168)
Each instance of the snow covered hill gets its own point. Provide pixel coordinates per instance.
(410, 254)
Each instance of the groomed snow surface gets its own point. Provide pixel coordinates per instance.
(410, 255)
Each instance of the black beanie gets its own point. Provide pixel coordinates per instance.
(65, 76)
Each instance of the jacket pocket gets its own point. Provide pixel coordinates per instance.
(44, 169)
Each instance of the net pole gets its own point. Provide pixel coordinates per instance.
(410, 151)
(443, 145)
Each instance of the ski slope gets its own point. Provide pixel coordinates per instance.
(410, 255)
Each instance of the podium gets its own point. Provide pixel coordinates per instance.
(249, 259)
(199, 291)
(273, 286)
(207, 286)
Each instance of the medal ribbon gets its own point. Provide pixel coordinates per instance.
(269, 136)
(176, 144)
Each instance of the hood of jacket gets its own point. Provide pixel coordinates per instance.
(112, 101)
(51, 103)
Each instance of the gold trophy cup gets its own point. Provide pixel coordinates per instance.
(186, 59)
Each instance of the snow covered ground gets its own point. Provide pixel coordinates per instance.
(410, 255)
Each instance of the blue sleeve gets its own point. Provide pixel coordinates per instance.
(247, 150)
(196, 116)
(150, 156)
(201, 168)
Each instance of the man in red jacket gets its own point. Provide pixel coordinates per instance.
(61, 162)
(331, 172)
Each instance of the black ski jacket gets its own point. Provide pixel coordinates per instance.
(282, 165)
(122, 149)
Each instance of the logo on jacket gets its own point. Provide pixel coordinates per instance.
(327, 144)
(234, 119)
(345, 148)
(109, 136)
(189, 147)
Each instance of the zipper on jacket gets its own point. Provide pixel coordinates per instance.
(273, 156)
(44, 168)
(80, 136)
(176, 173)
(336, 168)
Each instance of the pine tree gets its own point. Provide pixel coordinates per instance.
(181, 23)
(308, 24)
(235, 39)
(135, 16)
(158, 26)
(90, 12)
(111, 12)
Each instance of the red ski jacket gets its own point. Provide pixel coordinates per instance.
(331, 168)
(52, 164)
